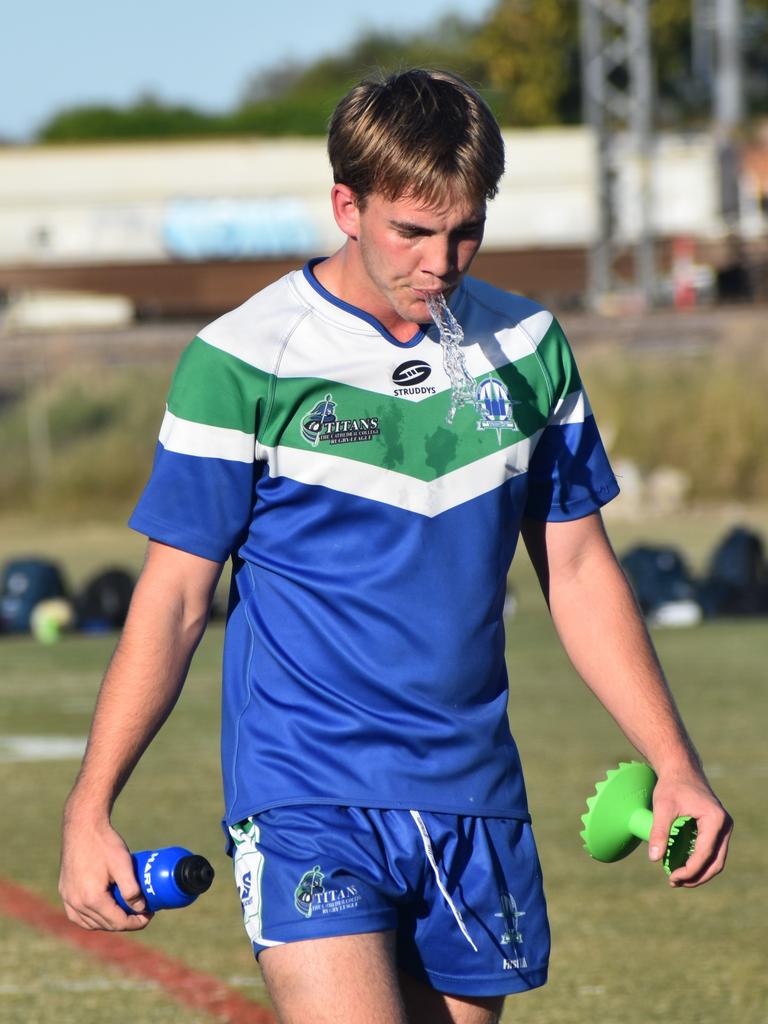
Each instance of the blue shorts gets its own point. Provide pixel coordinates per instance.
(463, 894)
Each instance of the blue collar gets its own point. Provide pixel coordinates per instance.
(355, 310)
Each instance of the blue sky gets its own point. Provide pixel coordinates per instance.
(57, 54)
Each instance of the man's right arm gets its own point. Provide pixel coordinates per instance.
(168, 614)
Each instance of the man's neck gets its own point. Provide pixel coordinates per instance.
(339, 276)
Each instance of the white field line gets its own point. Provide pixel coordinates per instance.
(105, 985)
(75, 985)
(14, 749)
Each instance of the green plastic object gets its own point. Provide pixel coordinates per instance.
(619, 815)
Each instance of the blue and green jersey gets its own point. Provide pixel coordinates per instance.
(364, 652)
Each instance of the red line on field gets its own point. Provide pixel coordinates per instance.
(187, 986)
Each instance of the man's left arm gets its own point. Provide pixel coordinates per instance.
(603, 632)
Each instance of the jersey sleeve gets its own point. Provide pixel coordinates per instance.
(569, 475)
(200, 494)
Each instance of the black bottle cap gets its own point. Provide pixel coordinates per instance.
(193, 874)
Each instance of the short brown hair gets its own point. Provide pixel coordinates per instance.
(418, 133)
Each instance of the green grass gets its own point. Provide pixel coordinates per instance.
(43, 981)
(627, 949)
(81, 443)
(700, 413)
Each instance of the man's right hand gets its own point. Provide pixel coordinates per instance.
(168, 613)
(92, 859)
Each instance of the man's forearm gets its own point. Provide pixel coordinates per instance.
(167, 617)
(604, 635)
(142, 683)
(139, 690)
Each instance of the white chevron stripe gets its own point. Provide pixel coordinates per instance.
(537, 324)
(358, 363)
(427, 498)
(188, 438)
(353, 353)
(509, 344)
(574, 408)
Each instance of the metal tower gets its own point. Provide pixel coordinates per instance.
(728, 105)
(616, 86)
(729, 87)
(716, 62)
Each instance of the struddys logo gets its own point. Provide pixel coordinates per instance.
(494, 406)
(511, 937)
(409, 378)
(321, 424)
(312, 897)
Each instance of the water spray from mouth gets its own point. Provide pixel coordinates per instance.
(463, 386)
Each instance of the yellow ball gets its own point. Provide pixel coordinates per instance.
(50, 618)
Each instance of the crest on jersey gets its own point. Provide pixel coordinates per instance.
(311, 885)
(312, 424)
(494, 406)
(321, 424)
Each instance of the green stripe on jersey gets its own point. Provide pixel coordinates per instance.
(554, 352)
(233, 393)
(409, 437)
(412, 438)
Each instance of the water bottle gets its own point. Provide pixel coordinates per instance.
(170, 877)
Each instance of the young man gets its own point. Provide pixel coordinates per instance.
(319, 435)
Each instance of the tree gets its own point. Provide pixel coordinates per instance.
(284, 100)
(287, 96)
(146, 118)
(525, 59)
(530, 53)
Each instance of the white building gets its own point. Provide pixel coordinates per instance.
(243, 198)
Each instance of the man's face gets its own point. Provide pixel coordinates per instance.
(409, 250)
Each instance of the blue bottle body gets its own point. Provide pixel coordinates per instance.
(155, 871)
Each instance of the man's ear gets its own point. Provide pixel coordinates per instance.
(345, 210)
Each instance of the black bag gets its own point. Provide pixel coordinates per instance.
(103, 602)
(26, 582)
(658, 575)
(737, 582)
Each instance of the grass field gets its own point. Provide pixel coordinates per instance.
(627, 949)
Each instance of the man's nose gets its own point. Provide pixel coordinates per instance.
(439, 257)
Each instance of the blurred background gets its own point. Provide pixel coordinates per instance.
(158, 169)
(161, 163)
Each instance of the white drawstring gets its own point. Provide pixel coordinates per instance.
(425, 838)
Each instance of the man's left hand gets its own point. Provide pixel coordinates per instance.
(675, 796)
